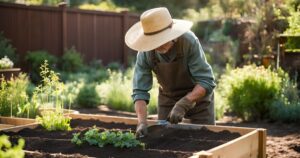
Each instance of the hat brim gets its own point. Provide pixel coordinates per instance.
(136, 40)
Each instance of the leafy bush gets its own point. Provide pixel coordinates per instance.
(88, 75)
(71, 61)
(250, 91)
(294, 24)
(100, 139)
(35, 59)
(88, 97)
(9, 151)
(14, 100)
(114, 66)
(293, 42)
(54, 121)
(6, 49)
(285, 111)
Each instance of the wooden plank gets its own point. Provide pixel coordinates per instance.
(16, 121)
(18, 128)
(262, 133)
(202, 154)
(240, 130)
(3, 126)
(245, 146)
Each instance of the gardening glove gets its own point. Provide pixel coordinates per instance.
(181, 107)
(141, 130)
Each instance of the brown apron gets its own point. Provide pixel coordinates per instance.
(175, 82)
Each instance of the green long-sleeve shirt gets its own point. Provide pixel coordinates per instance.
(194, 60)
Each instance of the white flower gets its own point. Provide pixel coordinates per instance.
(6, 63)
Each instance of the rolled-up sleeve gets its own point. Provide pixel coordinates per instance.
(142, 78)
(200, 70)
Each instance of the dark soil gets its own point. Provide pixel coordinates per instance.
(283, 140)
(162, 142)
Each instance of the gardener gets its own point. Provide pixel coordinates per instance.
(167, 47)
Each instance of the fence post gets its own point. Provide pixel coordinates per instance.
(63, 6)
(125, 27)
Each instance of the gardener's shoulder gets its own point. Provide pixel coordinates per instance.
(143, 55)
(188, 38)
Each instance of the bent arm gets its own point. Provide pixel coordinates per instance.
(196, 94)
(141, 111)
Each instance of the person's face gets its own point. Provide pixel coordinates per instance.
(165, 47)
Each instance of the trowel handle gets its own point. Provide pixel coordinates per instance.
(163, 122)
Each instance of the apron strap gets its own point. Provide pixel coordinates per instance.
(154, 59)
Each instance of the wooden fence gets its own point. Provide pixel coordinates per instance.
(96, 34)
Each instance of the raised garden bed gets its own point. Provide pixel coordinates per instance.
(184, 140)
(15, 124)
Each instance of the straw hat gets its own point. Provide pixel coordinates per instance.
(155, 28)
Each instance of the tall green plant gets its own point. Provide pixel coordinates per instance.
(50, 91)
(14, 100)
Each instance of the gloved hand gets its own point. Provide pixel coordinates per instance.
(141, 130)
(181, 107)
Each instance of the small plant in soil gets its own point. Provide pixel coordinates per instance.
(53, 121)
(9, 151)
(116, 138)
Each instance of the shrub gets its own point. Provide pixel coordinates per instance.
(88, 97)
(114, 66)
(250, 91)
(293, 42)
(286, 107)
(294, 23)
(89, 75)
(116, 92)
(35, 59)
(71, 92)
(71, 61)
(285, 111)
(6, 49)
(9, 151)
